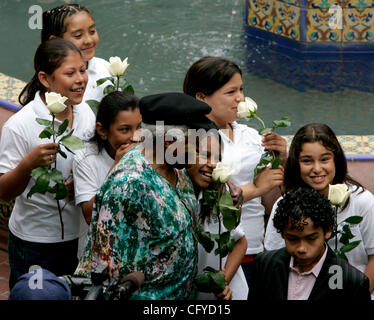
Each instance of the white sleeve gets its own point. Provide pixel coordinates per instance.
(13, 148)
(238, 233)
(365, 202)
(273, 239)
(85, 184)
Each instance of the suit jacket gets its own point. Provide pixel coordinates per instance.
(270, 279)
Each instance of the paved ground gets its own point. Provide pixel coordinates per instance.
(4, 275)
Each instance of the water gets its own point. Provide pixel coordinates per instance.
(162, 38)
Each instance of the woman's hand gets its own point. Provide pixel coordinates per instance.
(226, 294)
(274, 142)
(236, 194)
(269, 178)
(42, 155)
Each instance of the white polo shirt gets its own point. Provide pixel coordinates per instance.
(97, 69)
(90, 169)
(36, 219)
(243, 155)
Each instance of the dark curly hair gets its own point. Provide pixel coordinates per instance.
(296, 206)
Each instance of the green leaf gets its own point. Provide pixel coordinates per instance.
(46, 133)
(109, 89)
(282, 123)
(63, 154)
(203, 282)
(350, 246)
(129, 89)
(40, 186)
(277, 161)
(226, 199)
(341, 255)
(226, 248)
(72, 142)
(44, 122)
(210, 280)
(230, 214)
(39, 171)
(210, 196)
(61, 191)
(264, 130)
(354, 219)
(346, 235)
(62, 127)
(102, 80)
(205, 239)
(93, 104)
(219, 281)
(56, 176)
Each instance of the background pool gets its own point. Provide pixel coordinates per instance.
(162, 38)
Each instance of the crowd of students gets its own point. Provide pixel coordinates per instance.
(132, 212)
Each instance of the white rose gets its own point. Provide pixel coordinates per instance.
(55, 102)
(117, 67)
(247, 108)
(222, 172)
(338, 194)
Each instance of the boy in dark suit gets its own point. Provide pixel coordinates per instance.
(307, 269)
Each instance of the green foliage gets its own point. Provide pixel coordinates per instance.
(269, 157)
(210, 280)
(345, 234)
(222, 207)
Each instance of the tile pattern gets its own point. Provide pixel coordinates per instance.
(10, 88)
(286, 18)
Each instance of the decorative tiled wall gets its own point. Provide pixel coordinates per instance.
(308, 20)
(10, 88)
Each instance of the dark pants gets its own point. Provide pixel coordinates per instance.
(60, 258)
(248, 270)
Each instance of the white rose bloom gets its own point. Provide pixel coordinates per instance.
(338, 194)
(247, 108)
(55, 102)
(222, 172)
(117, 67)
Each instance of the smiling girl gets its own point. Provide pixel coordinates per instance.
(316, 160)
(75, 23)
(208, 155)
(34, 228)
(218, 82)
(118, 123)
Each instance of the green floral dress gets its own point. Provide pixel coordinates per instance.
(140, 222)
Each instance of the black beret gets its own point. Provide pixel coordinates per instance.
(176, 108)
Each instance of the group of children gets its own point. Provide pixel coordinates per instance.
(65, 63)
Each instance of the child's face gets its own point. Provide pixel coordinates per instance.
(81, 31)
(224, 102)
(124, 130)
(206, 160)
(317, 166)
(306, 246)
(69, 79)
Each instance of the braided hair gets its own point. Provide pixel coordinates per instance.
(54, 20)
